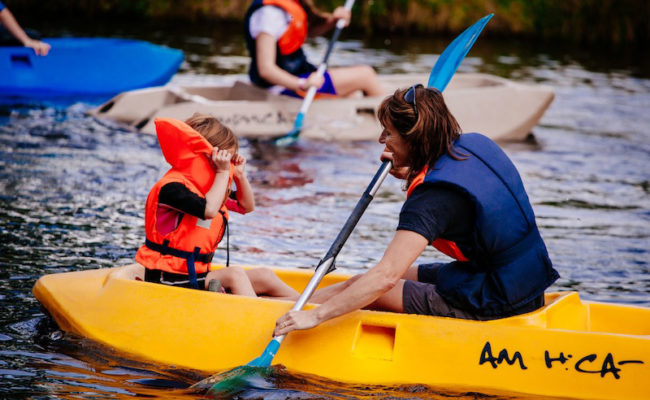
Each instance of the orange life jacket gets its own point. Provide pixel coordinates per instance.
(188, 249)
(445, 246)
(296, 33)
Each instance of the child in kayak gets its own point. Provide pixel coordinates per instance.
(275, 32)
(186, 213)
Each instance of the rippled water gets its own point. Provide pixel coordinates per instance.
(72, 192)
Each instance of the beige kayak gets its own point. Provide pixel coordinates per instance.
(499, 108)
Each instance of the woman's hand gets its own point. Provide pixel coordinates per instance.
(313, 80)
(221, 159)
(342, 13)
(399, 172)
(296, 320)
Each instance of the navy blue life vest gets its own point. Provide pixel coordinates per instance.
(507, 266)
(289, 54)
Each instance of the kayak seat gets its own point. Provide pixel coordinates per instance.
(566, 311)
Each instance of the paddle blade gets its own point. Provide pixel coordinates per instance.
(267, 355)
(453, 55)
(238, 379)
(292, 136)
(227, 385)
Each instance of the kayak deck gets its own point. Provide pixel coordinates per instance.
(568, 348)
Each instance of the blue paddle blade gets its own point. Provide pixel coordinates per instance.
(292, 136)
(454, 54)
(267, 355)
(235, 380)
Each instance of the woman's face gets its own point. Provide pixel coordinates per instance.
(395, 149)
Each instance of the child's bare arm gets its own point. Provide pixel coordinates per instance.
(217, 193)
(244, 193)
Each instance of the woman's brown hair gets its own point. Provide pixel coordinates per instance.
(216, 133)
(429, 133)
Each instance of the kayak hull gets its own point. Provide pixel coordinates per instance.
(85, 67)
(499, 108)
(569, 348)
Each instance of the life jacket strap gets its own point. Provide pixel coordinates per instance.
(191, 271)
(225, 222)
(164, 249)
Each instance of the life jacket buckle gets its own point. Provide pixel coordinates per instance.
(165, 247)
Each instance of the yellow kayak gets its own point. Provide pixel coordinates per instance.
(569, 348)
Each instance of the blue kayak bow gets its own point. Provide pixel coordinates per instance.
(232, 382)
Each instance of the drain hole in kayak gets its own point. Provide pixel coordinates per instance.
(374, 341)
(107, 107)
(141, 124)
(20, 60)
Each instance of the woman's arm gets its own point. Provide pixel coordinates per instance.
(268, 69)
(402, 251)
(8, 21)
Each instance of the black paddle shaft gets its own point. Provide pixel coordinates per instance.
(330, 45)
(356, 214)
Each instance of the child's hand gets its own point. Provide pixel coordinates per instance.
(221, 159)
(240, 164)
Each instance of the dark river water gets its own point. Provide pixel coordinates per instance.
(72, 192)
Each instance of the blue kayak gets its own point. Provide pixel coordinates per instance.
(84, 68)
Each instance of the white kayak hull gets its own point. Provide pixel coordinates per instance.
(499, 108)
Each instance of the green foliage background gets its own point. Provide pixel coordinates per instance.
(614, 21)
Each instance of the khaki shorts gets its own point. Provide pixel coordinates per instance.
(422, 298)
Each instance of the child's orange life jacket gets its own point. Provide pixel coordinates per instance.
(189, 248)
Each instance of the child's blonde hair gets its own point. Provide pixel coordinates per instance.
(216, 133)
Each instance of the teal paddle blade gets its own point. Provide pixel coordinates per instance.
(292, 136)
(235, 380)
(453, 55)
(267, 355)
(227, 385)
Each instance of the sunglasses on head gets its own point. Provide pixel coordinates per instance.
(409, 97)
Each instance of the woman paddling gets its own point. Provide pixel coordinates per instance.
(466, 198)
(275, 32)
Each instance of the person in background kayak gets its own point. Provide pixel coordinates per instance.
(9, 23)
(186, 213)
(275, 32)
(466, 198)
